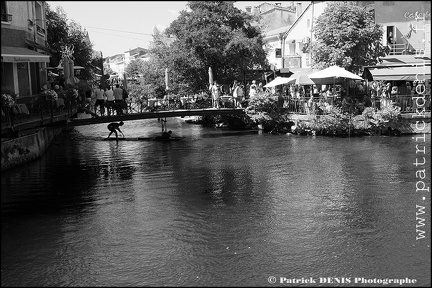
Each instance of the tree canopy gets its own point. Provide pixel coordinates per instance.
(208, 34)
(61, 32)
(347, 35)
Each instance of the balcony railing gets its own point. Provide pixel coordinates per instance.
(6, 17)
(403, 49)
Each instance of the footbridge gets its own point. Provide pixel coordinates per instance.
(156, 114)
(16, 122)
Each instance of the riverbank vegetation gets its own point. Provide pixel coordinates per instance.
(264, 112)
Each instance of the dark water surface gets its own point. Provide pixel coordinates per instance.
(213, 210)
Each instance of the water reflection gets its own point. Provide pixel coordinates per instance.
(217, 210)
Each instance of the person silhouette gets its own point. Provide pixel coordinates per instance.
(113, 127)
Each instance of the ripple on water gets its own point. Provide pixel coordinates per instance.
(210, 211)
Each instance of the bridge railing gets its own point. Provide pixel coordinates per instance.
(135, 105)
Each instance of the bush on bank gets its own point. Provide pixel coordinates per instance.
(339, 123)
(264, 111)
(381, 121)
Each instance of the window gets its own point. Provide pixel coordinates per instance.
(307, 60)
(40, 25)
(391, 39)
(278, 52)
(5, 17)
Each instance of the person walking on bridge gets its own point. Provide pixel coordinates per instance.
(109, 94)
(118, 99)
(100, 100)
(215, 91)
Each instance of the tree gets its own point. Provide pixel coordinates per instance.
(134, 68)
(347, 35)
(57, 31)
(209, 34)
(83, 50)
(62, 32)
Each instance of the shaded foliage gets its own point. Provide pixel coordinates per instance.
(208, 34)
(61, 32)
(347, 35)
(264, 110)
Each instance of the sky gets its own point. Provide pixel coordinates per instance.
(133, 20)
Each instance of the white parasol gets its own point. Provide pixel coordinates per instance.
(301, 77)
(167, 79)
(328, 75)
(210, 72)
(278, 81)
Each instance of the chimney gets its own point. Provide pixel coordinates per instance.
(248, 9)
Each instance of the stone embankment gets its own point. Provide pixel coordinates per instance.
(27, 147)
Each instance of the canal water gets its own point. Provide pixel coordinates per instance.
(214, 209)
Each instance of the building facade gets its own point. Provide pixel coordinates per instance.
(406, 24)
(23, 47)
(273, 16)
(287, 45)
(119, 62)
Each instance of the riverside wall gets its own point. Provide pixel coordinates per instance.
(26, 148)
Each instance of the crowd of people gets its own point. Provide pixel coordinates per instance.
(98, 100)
(240, 94)
(113, 99)
(353, 98)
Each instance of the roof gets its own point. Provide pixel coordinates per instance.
(136, 50)
(277, 31)
(274, 6)
(287, 29)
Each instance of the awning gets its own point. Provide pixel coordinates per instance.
(20, 54)
(403, 60)
(400, 73)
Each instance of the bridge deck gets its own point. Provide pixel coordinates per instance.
(156, 114)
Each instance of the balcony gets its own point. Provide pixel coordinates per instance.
(6, 17)
(406, 49)
(292, 61)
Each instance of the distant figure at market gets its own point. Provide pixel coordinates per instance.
(215, 91)
(253, 89)
(113, 127)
